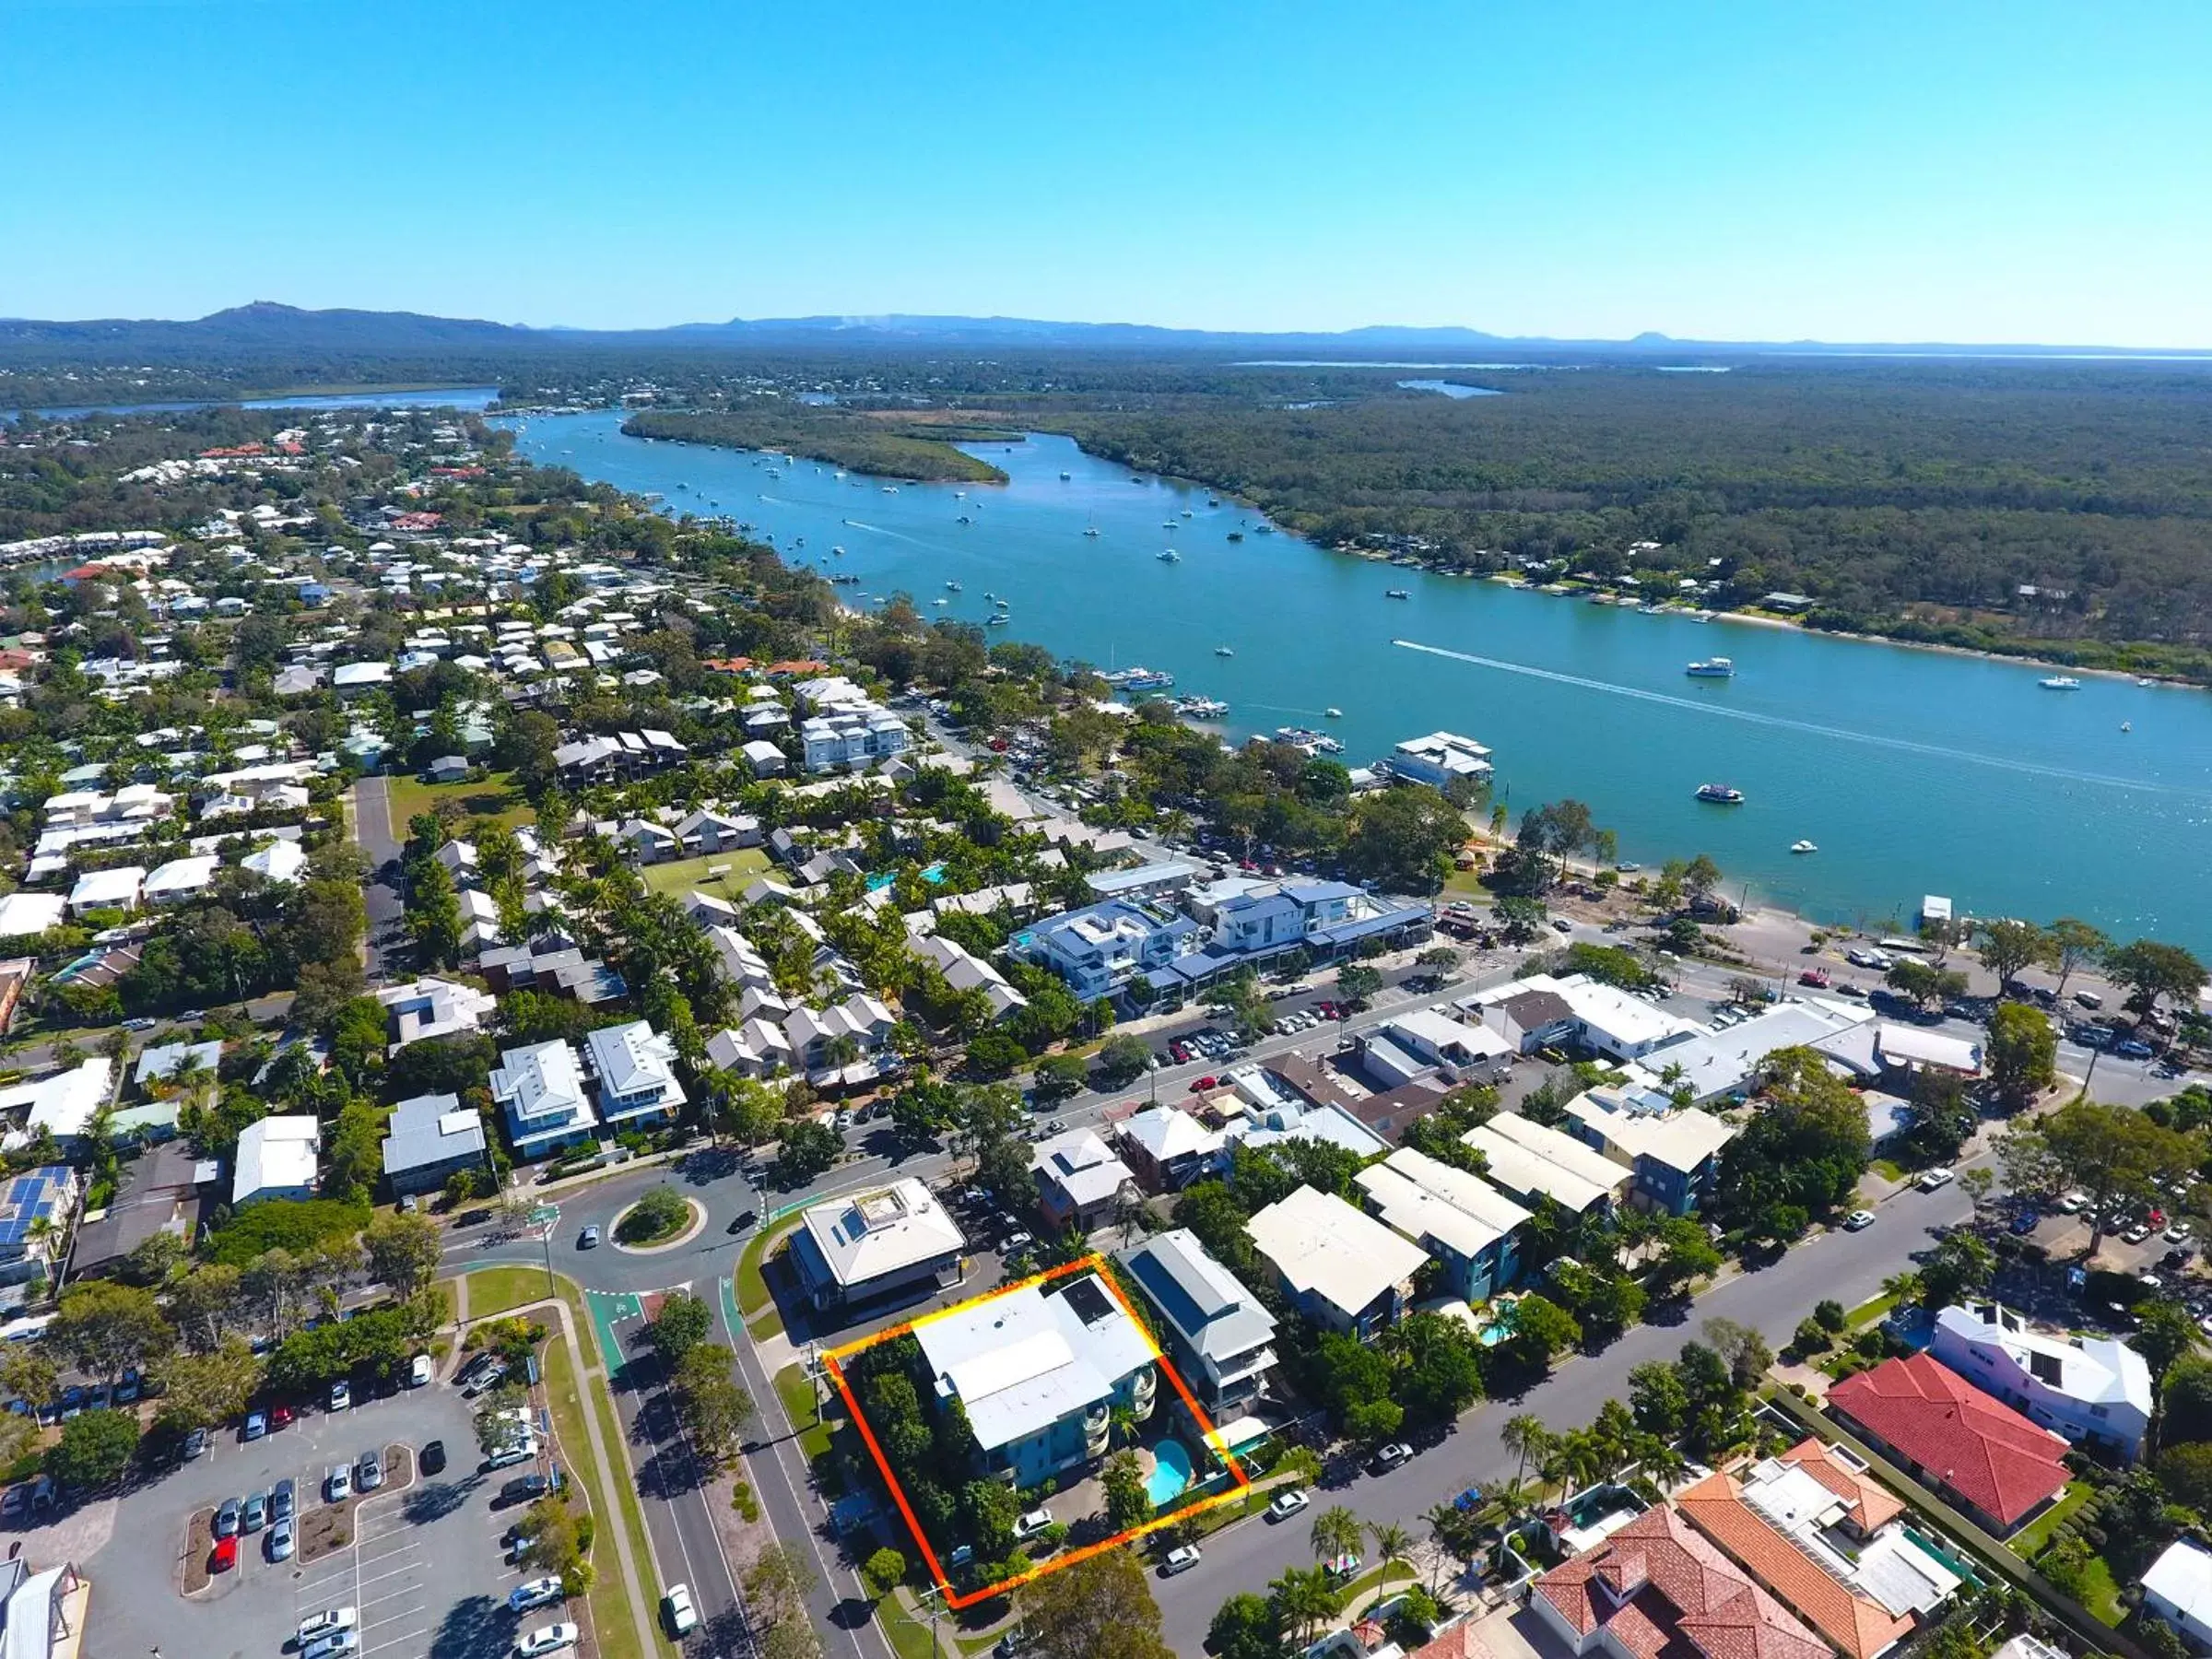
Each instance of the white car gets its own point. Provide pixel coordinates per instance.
(341, 1396)
(1932, 1178)
(2074, 1202)
(535, 1593)
(1858, 1220)
(1289, 1503)
(324, 1622)
(337, 1486)
(418, 1371)
(1031, 1524)
(546, 1639)
(682, 1619)
(333, 1646)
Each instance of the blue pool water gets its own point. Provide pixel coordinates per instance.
(1170, 1474)
(933, 874)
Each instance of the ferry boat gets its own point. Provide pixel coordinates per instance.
(1140, 679)
(1169, 556)
(1397, 593)
(1717, 667)
(1803, 846)
(996, 621)
(1720, 795)
(2060, 682)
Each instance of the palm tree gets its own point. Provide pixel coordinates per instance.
(1664, 1465)
(1525, 1436)
(1303, 1598)
(1393, 1543)
(1337, 1530)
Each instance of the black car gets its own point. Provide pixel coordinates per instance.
(742, 1222)
(434, 1457)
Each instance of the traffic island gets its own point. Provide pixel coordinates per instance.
(661, 1219)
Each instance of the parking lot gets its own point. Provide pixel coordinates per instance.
(424, 1563)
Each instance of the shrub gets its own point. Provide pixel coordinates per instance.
(1830, 1314)
(660, 1214)
(743, 1500)
(884, 1570)
(1811, 1337)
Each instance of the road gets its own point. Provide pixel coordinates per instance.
(372, 828)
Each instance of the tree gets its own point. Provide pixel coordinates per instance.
(557, 1539)
(2009, 947)
(1302, 1598)
(1123, 1059)
(1803, 1149)
(885, 1571)
(1960, 1265)
(714, 1407)
(1658, 1399)
(1245, 1627)
(354, 1155)
(1100, 1607)
(94, 1450)
(1741, 1348)
(2187, 1470)
(198, 1391)
(2114, 1154)
(1541, 1329)
(29, 1375)
(2185, 1412)
(2074, 944)
(2152, 971)
(404, 1251)
(1356, 982)
(1926, 984)
(494, 1422)
(659, 1212)
(1393, 1544)
(1685, 1255)
(1525, 1436)
(1521, 919)
(680, 1325)
(1127, 1503)
(1335, 1531)
(2022, 1054)
(1060, 1078)
(203, 1304)
(805, 1148)
(104, 1328)
(2164, 1335)
(777, 1582)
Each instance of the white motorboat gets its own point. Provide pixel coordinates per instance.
(1803, 846)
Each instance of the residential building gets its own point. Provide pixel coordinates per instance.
(1675, 1152)
(1658, 1588)
(2090, 1389)
(430, 1139)
(541, 1090)
(1530, 1161)
(1341, 1269)
(1220, 1335)
(434, 1007)
(34, 1220)
(635, 1067)
(277, 1159)
(160, 1063)
(847, 729)
(2178, 1589)
(873, 1245)
(965, 972)
(1460, 1219)
(1904, 1049)
(560, 970)
(1099, 950)
(1167, 1148)
(26, 915)
(1988, 1459)
(1467, 1054)
(1441, 759)
(60, 1103)
(160, 1191)
(1724, 1063)
(118, 889)
(1038, 1372)
(1080, 1182)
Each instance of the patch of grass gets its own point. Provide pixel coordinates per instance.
(1376, 1579)
(752, 1285)
(2100, 1594)
(908, 1636)
(798, 1394)
(2029, 1540)
(495, 798)
(679, 876)
(444, 1290)
(497, 1289)
(1868, 1312)
(1888, 1168)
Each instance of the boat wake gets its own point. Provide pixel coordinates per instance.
(895, 535)
(1784, 722)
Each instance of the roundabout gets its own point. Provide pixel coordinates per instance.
(641, 1228)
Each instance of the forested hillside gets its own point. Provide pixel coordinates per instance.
(887, 447)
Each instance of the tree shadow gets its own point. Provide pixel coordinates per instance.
(436, 1499)
(477, 1628)
(709, 1164)
(727, 1633)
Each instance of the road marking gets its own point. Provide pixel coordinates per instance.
(378, 1647)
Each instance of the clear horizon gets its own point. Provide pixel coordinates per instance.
(1992, 175)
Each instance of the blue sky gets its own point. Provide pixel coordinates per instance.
(1594, 168)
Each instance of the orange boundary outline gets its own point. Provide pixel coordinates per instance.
(953, 1598)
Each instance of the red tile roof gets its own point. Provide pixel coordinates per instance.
(1857, 1626)
(1872, 1506)
(1663, 1591)
(1984, 1451)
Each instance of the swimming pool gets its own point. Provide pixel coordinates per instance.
(1171, 1473)
(933, 874)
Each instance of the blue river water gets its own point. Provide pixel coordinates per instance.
(452, 397)
(1914, 772)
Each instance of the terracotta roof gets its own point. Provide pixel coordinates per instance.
(1857, 1626)
(1662, 1591)
(1872, 1506)
(1984, 1451)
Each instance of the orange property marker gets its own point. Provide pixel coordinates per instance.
(953, 1598)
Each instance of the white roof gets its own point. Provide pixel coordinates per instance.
(1681, 1140)
(635, 1059)
(2099, 1370)
(63, 1101)
(279, 860)
(1533, 1158)
(1022, 1361)
(182, 875)
(1627, 1020)
(1442, 1033)
(23, 915)
(1323, 1247)
(275, 1154)
(1081, 1164)
(543, 1080)
(1910, 1046)
(1165, 1133)
(1426, 1199)
(1726, 1059)
(870, 1234)
(100, 888)
(2182, 1577)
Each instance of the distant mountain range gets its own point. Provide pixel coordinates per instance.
(265, 327)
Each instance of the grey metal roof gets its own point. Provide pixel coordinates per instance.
(431, 1129)
(1218, 1316)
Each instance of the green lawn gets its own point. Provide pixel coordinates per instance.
(2100, 1594)
(494, 797)
(496, 1289)
(679, 876)
(2029, 1540)
(797, 1395)
(752, 1287)
(1868, 1312)
(1888, 1168)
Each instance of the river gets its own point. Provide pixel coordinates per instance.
(1914, 772)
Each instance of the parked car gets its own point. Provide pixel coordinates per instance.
(2022, 1224)
(280, 1541)
(195, 1443)
(1391, 1456)
(257, 1424)
(534, 1593)
(433, 1456)
(226, 1518)
(546, 1638)
(256, 1512)
(1859, 1220)
(280, 1416)
(284, 1498)
(333, 1645)
(419, 1371)
(2074, 1202)
(1035, 1522)
(2135, 1234)
(370, 1473)
(337, 1486)
(224, 1556)
(1929, 1180)
(1180, 1559)
(321, 1624)
(341, 1396)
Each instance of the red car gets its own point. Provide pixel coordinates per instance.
(224, 1556)
(1814, 976)
(280, 1416)
(1199, 1085)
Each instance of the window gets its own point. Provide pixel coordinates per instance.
(2099, 1411)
